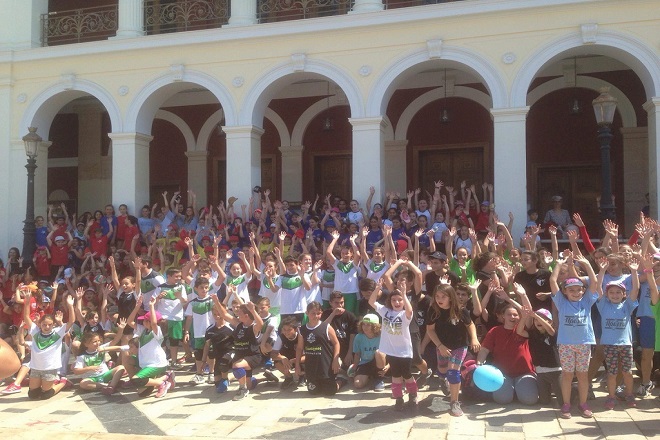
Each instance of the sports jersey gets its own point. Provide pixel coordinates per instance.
(148, 284)
(615, 321)
(327, 284)
(95, 359)
(169, 305)
(201, 311)
(150, 352)
(376, 270)
(292, 298)
(395, 333)
(346, 277)
(318, 351)
(46, 349)
(241, 283)
(575, 325)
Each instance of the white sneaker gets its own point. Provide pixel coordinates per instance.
(645, 390)
(197, 379)
(210, 378)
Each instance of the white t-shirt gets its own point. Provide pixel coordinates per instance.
(241, 283)
(376, 270)
(150, 352)
(292, 299)
(46, 349)
(201, 311)
(346, 277)
(313, 294)
(96, 359)
(264, 290)
(395, 332)
(169, 306)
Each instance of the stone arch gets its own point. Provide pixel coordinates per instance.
(456, 57)
(401, 131)
(181, 125)
(206, 130)
(266, 87)
(280, 126)
(624, 106)
(308, 115)
(42, 110)
(146, 103)
(632, 52)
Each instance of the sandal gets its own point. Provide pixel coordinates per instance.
(586, 412)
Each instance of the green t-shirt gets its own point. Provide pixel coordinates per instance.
(470, 274)
(656, 314)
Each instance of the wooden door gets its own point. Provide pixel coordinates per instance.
(333, 175)
(451, 165)
(578, 184)
(268, 178)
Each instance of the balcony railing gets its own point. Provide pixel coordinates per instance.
(77, 26)
(394, 4)
(166, 16)
(269, 11)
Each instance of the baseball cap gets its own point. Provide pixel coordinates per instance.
(387, 222)
(557, 198)
(545, 313)
(147, 316)
(530, 224)
(438, 256)
(615, 284)
(370, 318)
(573, 282)
(59, 237)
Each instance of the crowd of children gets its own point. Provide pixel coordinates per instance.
(330, 296)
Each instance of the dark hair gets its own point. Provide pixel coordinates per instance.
(201, 281)
(533, 255)
(172, 271)
(366, 284)
(290, 321)
(482, 259)
(290, 259)
(132, 219)
(264, 301)
(244, 309)
(147, 260)
(87, 336)
(336, 295)
(314, 305)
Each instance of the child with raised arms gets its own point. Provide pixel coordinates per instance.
(395, 341)
(346, 270)
(199, 317)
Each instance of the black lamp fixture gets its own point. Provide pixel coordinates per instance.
(328, 122)
(604, 108)
(575, 108)
(31, 142)
(444, 117)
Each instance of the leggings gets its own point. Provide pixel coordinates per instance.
(523, 387)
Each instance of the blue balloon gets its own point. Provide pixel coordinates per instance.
(488, 378)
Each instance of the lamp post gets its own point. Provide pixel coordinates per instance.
(31, 141)
(604, 107)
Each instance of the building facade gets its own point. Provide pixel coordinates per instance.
(136, 97)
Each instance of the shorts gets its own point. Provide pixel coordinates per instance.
(616, 353)
(44, 375)
(103, 378)
(151, 372)
(456, 357)
(198, 343)
(647, 332)
(253, 360)
(574, 357)
(175, 331)
(400, 367)
(369, 369)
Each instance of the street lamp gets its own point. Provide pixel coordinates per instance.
(604, 108)
(31, 141)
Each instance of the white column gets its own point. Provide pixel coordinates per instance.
(367, 6)
(292, 168)
(636, 170)
(197, 175)
(243, 13)
(510, 164)
(131, 19)
(652, 107)
(368, 157)
(8, 216)
(130, 170)
(395, 166)
(20, 23)
(243, 161)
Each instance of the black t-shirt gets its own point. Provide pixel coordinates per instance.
(344, 325)
(533, 284)
(543, 349)
(492, 304)
(432, 279)
(126, 304)
(422, 314)
(245, 342)
(222, 339)
(288, 348)
(453, 335)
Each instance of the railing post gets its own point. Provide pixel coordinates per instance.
(131, 19)
(243, 13)
(367, 6)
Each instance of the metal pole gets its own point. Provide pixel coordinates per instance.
(29, 228)
(607, 208)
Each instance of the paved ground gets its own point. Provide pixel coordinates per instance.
(198, 411)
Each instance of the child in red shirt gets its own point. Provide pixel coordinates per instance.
(99, 242)
(59, 251)
(41, 262)
(131, 229)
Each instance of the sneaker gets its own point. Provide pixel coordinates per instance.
(163, 388)
(586, 412)
(171, 379)
(222, 386)
(645, 390)
(269, 364)
(242, 394)
(455, 409)
(566, 411)
(287, 383)
(108, 391)
(444, 386)
(610, 402)
(379, 385)
(302, 381)
(270, 377)
(206, 369)
(12, 389)
(210, 378)
(399, 404)
(620, 393)
(630, 400)
(423, 378)
(146, 391)
(412, 400)
(197, 379)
